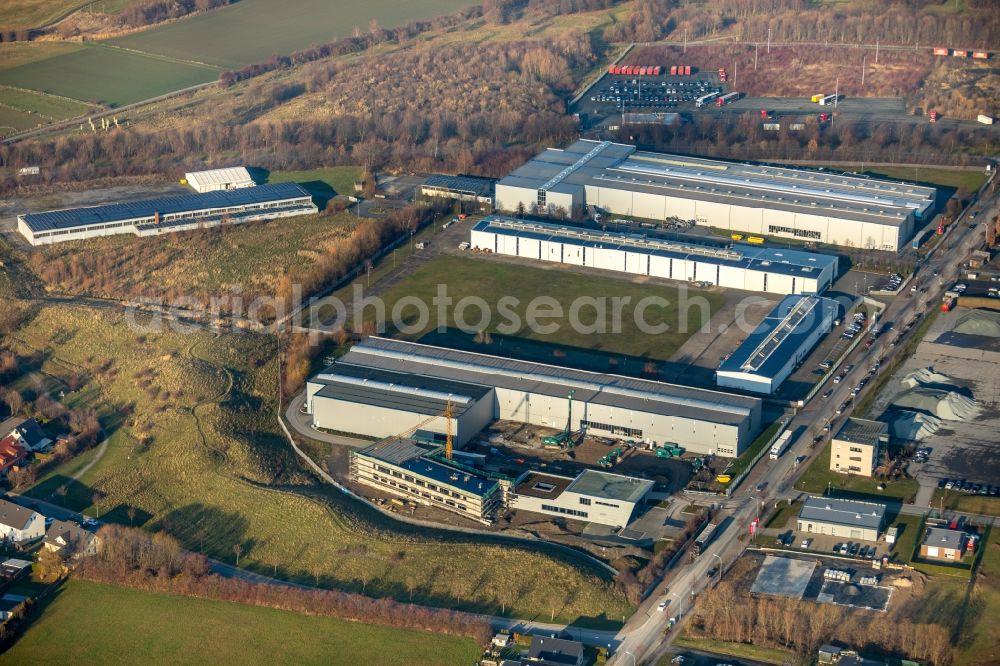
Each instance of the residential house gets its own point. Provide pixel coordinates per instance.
(28, 433)
(70, 538)
(12, 454)
(546, 651)
(20, 525)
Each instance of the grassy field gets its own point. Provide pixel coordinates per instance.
(159, 628)
(45, 107)
(988, 506)
(323, 183)
(253, 30)
(253, 257)
(105, 75)
(740, 650)
(198, 455)
(34, 13)
(491, 281)
(970, 180)
(13, 119)
(15, 54)
(819, 477)
(981, 634)
(784, 514)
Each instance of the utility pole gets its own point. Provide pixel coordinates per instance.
(768, 40)
(876, 51)
(836, 93)
(864, 63)
(755, 56)
(685, 40)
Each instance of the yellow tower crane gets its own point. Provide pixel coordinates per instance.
(448, 414)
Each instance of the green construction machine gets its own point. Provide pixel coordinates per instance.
(565, 438)
(610, 459)
(669, 452)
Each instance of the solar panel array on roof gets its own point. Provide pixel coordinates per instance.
(478, 186)
(137, 210)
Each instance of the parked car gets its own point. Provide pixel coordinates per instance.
(854, 549)
(827, 394)
(663, 605)
(806, 543)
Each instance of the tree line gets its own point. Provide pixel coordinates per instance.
(139, 560)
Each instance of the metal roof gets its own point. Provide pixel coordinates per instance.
(485, 370)
(765, 351)
(220, 176)
(943, 538)
(771, 260)
(471, 184)
(605, 485)
(851, 513)
(139, 210)
(863, 431)
(396, 390)
(621, 167)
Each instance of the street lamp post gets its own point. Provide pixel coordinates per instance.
(720, 563)
(631, 655)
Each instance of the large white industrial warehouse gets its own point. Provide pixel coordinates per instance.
(382, 387)
(767, 200)
(168, 214)
(738, 266)
(779, 344)
(214, 180)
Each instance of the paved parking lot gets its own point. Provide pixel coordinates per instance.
(615, 94)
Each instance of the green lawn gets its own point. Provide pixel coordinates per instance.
(907, 535)
(90, 623)
(987, 506)
(969, 179)
(12, 120)
(981, 632)
(323, 182)
(740, 650)
(819, 477)
(107, 76)
(15, 54)
(493, 280)
(252, 31)
(47, 107)
(784, 514)
(201, 458)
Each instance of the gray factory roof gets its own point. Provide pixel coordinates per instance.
(188, 203)
(943, 538)
(621, 167)
(470, 184)
(863, 431)
(604, 485)
(772, 260)
(851, 513)
(494, 371)
(783, 331)
(399, 390)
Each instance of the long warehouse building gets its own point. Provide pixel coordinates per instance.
(779, 344)
(384, 387)
(781, 201)
(736, 266)
(152, 217)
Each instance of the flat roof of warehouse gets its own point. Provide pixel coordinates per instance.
(768, 348)
(773, 260)
(852, 513)
(186, 203)
(620, 166)
(405, 454)
(495, 371)
(398, 390)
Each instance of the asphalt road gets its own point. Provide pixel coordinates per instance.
(645, 636)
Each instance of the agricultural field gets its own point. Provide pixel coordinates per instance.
(15, 54)
(35, 13)
(108, 76)
(252, 31)
(44, 108)
(195, 451)
(158, 628)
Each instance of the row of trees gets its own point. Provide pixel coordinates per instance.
(728, 612)
(907, 22)
(149, 12)
(156, 562)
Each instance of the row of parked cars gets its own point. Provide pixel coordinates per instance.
(969, 488)
(855, 550)
(654, 94)
(856, 326)
(893, 283)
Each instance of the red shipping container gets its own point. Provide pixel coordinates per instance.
(642, 71)
(673, 70)
(611, 69)
(628, 70)
(981, 55)
(656, 71)
(687, 70)
(618, 69)
(960, 54)
(940, 51)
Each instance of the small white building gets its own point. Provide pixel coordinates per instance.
(213, 180)
(849, 519)
(593, 496)
(20, 525)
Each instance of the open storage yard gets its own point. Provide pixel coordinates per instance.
(152, 627)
